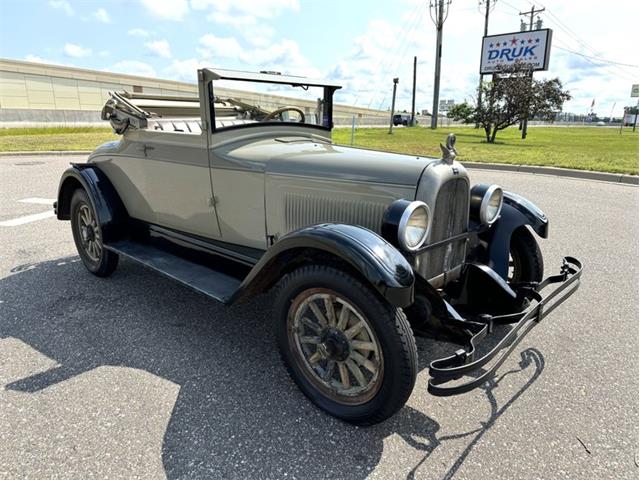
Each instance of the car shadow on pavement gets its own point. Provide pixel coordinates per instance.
(237, 414)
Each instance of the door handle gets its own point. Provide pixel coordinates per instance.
(145, 148)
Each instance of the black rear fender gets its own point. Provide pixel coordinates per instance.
(110, 210)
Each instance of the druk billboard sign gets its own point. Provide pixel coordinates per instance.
(532, 48)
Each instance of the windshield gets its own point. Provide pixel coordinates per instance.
(239, 103)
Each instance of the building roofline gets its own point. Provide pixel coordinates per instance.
(105, 76)
(66, 71)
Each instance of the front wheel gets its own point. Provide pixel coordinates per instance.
(525, 258)
(350, 352)
(87, 235)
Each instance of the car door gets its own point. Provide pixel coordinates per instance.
(239, 194)
(176, 167)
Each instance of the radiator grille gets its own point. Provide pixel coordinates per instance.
(302, 210)
(450, 217)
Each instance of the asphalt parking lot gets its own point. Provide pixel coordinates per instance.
(135, 376)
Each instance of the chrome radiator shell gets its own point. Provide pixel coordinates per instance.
(445, 188)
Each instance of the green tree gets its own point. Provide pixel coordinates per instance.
(509, 97)
(631, 110)
(462, 112)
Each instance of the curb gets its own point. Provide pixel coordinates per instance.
(558, 172)
(53, 153)
(555, 171)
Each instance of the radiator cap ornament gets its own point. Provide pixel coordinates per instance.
(449, 151)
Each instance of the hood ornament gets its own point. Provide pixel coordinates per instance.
(449, 151)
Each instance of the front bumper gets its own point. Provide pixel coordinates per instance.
(445, 371)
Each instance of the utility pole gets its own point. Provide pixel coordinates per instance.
(439, 14)
(531, 13)
(393, 105)
(488, 4)
(413, 96)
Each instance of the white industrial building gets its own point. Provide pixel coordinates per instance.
(33, 94)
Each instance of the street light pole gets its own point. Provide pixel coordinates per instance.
(413, 95)
(393, 105)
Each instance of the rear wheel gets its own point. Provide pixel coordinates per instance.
(87, 236)
(525, 258)
(349, 351)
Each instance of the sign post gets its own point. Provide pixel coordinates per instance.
(531, 48)
(634, 94)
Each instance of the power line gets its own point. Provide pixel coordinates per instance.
(390, 54)
(608, 68)
(581, 43)
(400, 57)
(510, 6)
(603, 60)
(393, 55)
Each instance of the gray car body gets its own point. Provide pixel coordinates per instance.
(245, 186)
(239, 198)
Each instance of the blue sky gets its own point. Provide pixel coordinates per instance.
(363, 44)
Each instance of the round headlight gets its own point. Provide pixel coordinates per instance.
(491, 205)
(414, 225)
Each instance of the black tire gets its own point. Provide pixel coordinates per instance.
(419, 315)
(526, 263)
(96, 259)
(388, 324)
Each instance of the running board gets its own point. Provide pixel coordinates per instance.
(212, 283)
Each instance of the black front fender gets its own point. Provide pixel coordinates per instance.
(375, 259)
(516, 212)
(106, 203)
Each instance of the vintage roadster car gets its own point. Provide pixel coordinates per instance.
(363, 249)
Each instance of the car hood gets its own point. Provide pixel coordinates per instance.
(308, 158)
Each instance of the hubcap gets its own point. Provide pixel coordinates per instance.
(89, 233)
(335, 346)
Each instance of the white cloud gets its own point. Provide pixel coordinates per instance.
(167, 9)
(76, 51)
(138, 32)
(159, 48)
(133, 67)
(250, 18)
(219, 47)
(102, 15)
(185, 70)
(36, 59)
(262, 8)
(236, 21)
(366, 70)
(61, 5)
(284, 56)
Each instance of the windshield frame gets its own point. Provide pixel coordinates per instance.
(206, 78)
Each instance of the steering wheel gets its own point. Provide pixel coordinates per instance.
(279, 111)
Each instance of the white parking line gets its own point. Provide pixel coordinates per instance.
(38, 201)
(27, 219)
(31, 218)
